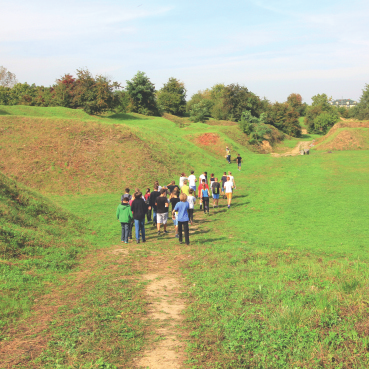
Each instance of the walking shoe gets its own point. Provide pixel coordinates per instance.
(158, 233)
(166, 232)
(137, 241)
(229, 206)
(143, 240)
(125, 242)
(177, 236)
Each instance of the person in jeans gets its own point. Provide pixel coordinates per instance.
(182, 209)
(147, 201)
(174, 199)
(205, 199)
(228, 155)
(224, 180)
(191, 204)
(153, 196)
(203, 186)
(124, 215)
(139, 210)
(162, 206)
(215, 189)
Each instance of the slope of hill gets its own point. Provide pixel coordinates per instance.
(55, 154)
(346, 135)
(38, 240)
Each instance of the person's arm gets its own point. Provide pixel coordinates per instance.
(117, 213)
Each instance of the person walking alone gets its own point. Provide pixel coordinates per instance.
(182, 209)
(139, 210)
(239, 161)
(228, 155)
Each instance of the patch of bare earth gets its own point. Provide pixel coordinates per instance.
(165, 314)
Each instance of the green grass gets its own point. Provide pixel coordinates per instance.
(278, 281)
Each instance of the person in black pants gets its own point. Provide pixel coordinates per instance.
(152, 200)
(182, 209)
(205, 199)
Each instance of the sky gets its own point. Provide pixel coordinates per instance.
(274, 48)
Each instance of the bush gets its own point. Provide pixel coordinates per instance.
(284, 117)
(323, 122)
(254, 127)
(199, 112)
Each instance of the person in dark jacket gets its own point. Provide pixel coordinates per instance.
(153, 196)
(139, 210)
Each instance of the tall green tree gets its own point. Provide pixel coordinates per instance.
(361, 110)
(142, 94)
(171, 97)
(238, 99)
(295, 101)
(284, 117)
(254, 127)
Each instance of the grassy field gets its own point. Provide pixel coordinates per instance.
(280, 280)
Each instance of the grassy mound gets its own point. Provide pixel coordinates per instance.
(347, 135)
(38, 240)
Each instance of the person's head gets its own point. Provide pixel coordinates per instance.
(147, 190)
(229, 173)
(185, 181)
(226, 147)
(125, 201)
(238, 154)
(155, 187)
(183, 197)
(204, 172)
(175, 192)
(163, 192)
(190, 191)
(225, 173)
(182, 174)
(127, 190)
(212, 175)
(216, 179)
(138, 195)
(173, 183)
(228, 178)
(137, 190)
(157, 183)
(203, 181)
(192, 172)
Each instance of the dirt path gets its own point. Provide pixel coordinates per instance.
(302, 145)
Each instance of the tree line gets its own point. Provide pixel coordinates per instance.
(98, 94)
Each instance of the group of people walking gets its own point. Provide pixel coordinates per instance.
(155, 205)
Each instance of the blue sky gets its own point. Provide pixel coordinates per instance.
(272, 47)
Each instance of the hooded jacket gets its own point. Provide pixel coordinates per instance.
(124, 213)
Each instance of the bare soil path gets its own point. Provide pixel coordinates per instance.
(302, 145)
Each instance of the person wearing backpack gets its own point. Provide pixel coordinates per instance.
(205, 197)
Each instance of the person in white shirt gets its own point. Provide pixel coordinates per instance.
(232, 179)
(228, 187)
(191, 202)
(192, 181)
(203, 176)
(182, 178)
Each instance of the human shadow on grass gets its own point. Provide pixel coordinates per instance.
(123, 116)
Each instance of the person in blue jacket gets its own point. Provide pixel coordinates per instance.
(182, 209)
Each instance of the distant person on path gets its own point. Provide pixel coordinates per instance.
(191, 202)
(139, 210)
(239, 161)
(182, 209)
(192, 180)
(205, 198)
(215, 188)
(182, 179)
(211, 180)
(185, 188)
(224, 180)
(228, 188)
(147, 201)
(228, 155)
(162, 206)
(174, 199)
(153, 196)
(124, 215)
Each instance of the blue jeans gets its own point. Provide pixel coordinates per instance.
(140, 226)
(154, 216)
(125, 231)
(229, 159)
